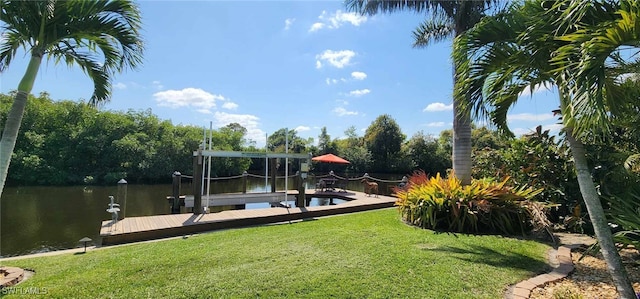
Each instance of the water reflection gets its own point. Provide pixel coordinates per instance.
(40, 219)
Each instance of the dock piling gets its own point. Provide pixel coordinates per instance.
(175, 205)
(122, 196)
(197, 182)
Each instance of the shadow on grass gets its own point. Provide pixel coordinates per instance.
(492, 257)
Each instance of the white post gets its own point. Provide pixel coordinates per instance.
(204, 146)
(286, 166)
(266, 165)
(209, 165)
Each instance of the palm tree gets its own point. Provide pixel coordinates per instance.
(101, 37)
(448, 18)
(572, 44)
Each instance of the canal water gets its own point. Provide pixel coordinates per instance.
(42, 219)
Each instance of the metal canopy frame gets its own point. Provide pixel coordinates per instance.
(235, 154)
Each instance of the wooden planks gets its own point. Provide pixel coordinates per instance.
(134, 229)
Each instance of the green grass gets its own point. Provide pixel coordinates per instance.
(363, 255)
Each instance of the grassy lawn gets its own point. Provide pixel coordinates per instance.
(363, 255)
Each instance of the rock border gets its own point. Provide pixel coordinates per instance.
(522, 290)
(12, 276)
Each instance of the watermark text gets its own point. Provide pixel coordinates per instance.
(24, 291)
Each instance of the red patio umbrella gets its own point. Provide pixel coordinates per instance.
(330, 158)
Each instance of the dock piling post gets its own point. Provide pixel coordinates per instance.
(244, 181)
(301, 192)
(197, 183)
(175, 205)
(122, 196)
(274, 170)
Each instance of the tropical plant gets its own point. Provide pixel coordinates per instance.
(448, 18)
(573, 44)
(625, 212)
(538, 160)
(485, 205)
(101, 37)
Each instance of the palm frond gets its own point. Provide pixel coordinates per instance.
(587, 60)
(372, 7)
(490, 62)
(102, 37)
(432, 31)
(11, 42)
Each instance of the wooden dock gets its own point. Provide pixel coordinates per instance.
(134, 229)
(231, 199)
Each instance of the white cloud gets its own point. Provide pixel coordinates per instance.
(436, 124)
(337, 19)
(188, 97)
(337, 59)
(340, 18)
(624, 77)
(335, 81)
(536, 89)
(342, 102)
(359, 92)
(288, 23)
(529, 117)
(204, 111)
(340, 111)
(157, 85)
(230, 105)
(316, 27)
(248, 121)
(120, 85)
(553, 129)
(435, 107)
(302, 129)
(521, 131)
(358, 75)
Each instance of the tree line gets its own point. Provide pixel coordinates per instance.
(68, 143)
(71, 143)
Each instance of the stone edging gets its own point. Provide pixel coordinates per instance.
(12, 276)
(522, 290)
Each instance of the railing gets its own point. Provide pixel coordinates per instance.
(175, 199)
(330, 174)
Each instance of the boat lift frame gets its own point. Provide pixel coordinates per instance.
(198, 160)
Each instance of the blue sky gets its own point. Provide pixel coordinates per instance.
(282, 64)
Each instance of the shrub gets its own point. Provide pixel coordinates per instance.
(539, 161)
(486, 206)
(625, 212)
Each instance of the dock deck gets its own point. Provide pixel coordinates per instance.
(133, 229)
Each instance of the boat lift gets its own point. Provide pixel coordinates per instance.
(198, 175)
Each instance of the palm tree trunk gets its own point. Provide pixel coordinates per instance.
(10, 134)
(461, 157)
(461, 143)
(14, 118)
(598, 219)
